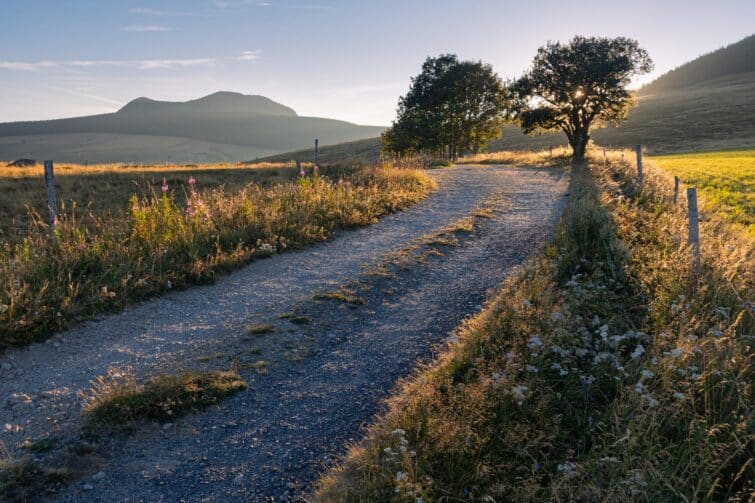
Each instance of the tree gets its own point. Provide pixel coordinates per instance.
(451, 106)
(578, 85)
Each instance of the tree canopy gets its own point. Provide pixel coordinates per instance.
(578, 85)
(452, 106)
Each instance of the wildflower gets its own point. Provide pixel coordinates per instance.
(526, 303)
(532, 368)
(400, 476)
(518, 392)
(316, 169)
(557, 316)
(3, 308)
(164, 186)
(192, 182)
(639, 387)
(535, 343)
(340, 181)
(651, 402)
(568, 469)
(679, 396)
(638, 351)
(301, 172)
(398, 432)
(676, 352)
(586, 380)
(647, 374)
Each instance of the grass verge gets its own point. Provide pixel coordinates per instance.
(93, 265)
(163, 398)
(605, 370)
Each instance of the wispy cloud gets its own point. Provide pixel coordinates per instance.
(249, 56)
(139, 28)
(83, 93)
(138, 64)
(146, 11)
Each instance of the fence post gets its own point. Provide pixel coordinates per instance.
(694, 227)
(317, 141)
(50, 186)
(676, 189)
(638, 150)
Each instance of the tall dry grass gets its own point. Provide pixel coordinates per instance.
(605, 370)
(92, 264)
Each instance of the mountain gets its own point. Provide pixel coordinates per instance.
(223, 126)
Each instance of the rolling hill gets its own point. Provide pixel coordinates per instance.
(706, 104)
(220, 127)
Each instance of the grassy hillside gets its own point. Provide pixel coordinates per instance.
(730, 60)
(356, 152)
(248, 124)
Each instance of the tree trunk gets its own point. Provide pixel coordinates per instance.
(578, 143)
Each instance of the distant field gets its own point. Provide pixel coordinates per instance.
(726, 179)
(106, 189)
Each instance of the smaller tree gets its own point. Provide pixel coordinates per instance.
(578, 85)
(451, 106)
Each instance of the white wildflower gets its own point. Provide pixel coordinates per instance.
(557, 316)
(651, 402)
(568, 469)
(398, 432)
(400, 476)
(526, 303)
(676, 352)
(532, 368)
(679, 396)
(639, 387)
(638, 351)
(535, 342)
(586, 380)
(647, 374)
(518, 392)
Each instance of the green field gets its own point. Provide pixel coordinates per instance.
(726, 180)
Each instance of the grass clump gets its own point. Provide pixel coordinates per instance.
(94, 264)
(344, 296)
(260, 329)
(24, 480)
(605, 370)
(162, 398)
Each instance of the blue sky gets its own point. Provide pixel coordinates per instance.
(342, 59)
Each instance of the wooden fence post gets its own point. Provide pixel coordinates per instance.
(638, 150)
(694, 227)
(317, 141)
(50, 186)
(676, 189)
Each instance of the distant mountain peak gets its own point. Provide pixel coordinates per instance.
(221, 102)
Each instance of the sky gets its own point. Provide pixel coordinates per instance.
(341, 59)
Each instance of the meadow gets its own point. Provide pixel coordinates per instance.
(726, 180)
(607, 369)
(123, 236)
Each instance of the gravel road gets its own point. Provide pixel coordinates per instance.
(324, 378)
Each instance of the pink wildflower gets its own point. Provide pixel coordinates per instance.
(192, 182)
(164, 186)
(301, 172)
